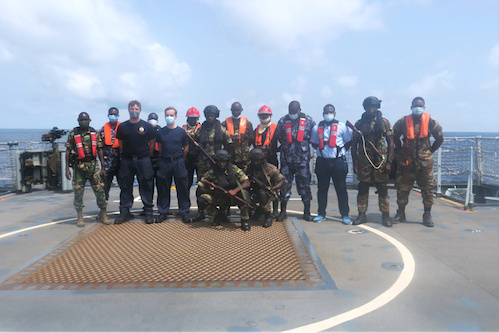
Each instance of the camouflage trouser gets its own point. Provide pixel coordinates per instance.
(406, 175)
(303, 178)
(261, 197)
(243, 165)
(215, 201)
(368, 175)
(90, 171)
(204, 166)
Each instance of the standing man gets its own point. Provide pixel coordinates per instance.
(266, 180)
(294, 131)
(173, 145)
(212, 136)
(111, 149)
(85, 144)
(137, 141)
(152, 119)
(230, 178)
(372, 154)
(332, 139)
(415, 158)
(192, 126)
(241, 133)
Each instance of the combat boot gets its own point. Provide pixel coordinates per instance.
(245, 225)
(427, 220)
(267, 223)
(362, 218)
(306, 212)
(282, 216)
(80, 223)
(400, 216)
(219, 218)
(198, 218)
(103, 216)
(275, 208)
(386, 220)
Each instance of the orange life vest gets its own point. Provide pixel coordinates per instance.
(301, 131)
(79, 145)
(242, 128)
(108, 139)
(198, 126)
(268, 138)
(332, 135)
(423, 127)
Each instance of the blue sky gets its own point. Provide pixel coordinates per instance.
(62, 57)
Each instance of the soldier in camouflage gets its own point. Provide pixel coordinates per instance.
(294, 131)
(242, 135)
(212, 136)
(266, 175)
(415, 158)
(372, 164)
(230, 178)
(85, 144)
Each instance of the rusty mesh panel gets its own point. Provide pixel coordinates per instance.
(173, 255)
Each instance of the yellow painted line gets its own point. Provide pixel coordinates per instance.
(452, 202)
(402, 282)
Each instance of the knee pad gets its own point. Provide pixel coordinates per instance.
(202, 203)
(363, 188)
(382, 189)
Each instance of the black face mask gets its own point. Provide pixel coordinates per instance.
(84, 124)
(192, 121)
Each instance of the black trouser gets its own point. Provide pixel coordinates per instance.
(108, 179)
(142, 168)
(336, 169)
(191, 166)
(173, 168)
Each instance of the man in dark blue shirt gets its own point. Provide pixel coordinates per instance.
(137, 139)
(173, 146)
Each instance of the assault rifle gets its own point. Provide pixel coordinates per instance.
(202, 150)
(349, 124)
(267, 189)
(224, 191)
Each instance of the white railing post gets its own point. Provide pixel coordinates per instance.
(439, 172)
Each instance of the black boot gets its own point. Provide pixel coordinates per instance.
(362, 218)
(197, 218)
(386, 220)
(400, 216)
(275, 208)
(306, 212)
(245, 225)
(268, 220)
(427, 220)
(282, 216)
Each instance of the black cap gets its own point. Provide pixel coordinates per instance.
(222, 155)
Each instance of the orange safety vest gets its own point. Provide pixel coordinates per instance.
(268, 138)
(301, 131)
(79, 145)
(242, 127)
(423, 127)
(108, 139)
(198, 126)
(332, 135)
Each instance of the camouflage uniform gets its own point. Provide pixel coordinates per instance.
(192, 155)
(215, 200)
(259, 195)
(87, 168)
(241, 143)
(111, 161)
(415, 162)
(211, 147)
(295, 158)
(366, 173)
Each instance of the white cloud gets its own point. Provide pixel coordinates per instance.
(432, 83)
(326, 92)
(494, 57)
(347, 81)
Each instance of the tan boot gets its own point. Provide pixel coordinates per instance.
(80, 222)
(103, 216)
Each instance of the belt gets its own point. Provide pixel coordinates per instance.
(172, 158)
(134, 157)
(332, 158)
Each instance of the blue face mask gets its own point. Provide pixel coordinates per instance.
(417, 111)
(329, 117)
(113, 118)
(170, 120)
(293, 116)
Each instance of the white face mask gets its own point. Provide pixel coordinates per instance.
(328, 117)
(153, 122)
(417, 111)
(170, 120)
(293, 116)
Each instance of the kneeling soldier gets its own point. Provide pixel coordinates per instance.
(222, 186)
(85, 143)
(265, 181)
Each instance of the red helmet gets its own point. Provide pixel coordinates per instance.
(265, 110)
(193, 113)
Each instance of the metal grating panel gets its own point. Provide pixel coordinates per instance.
(174, 255)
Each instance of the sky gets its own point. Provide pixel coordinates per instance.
(62, 57)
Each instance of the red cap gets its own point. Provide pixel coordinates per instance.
(265, 110)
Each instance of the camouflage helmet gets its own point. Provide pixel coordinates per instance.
(256, 154)
(371, 101)
(211, 109)
(222, 155)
